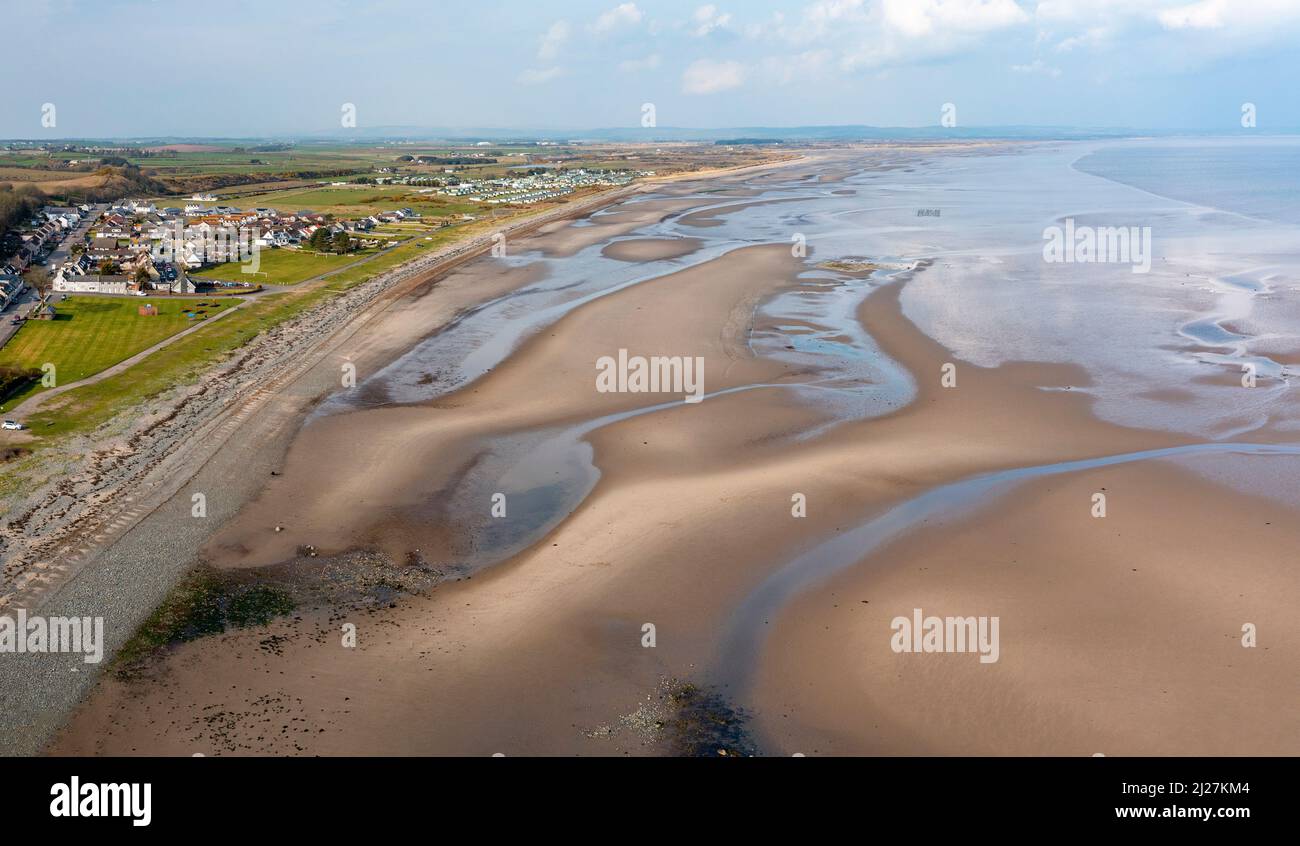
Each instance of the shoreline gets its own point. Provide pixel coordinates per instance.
(439, 666)
(561, 590)
(264, 415)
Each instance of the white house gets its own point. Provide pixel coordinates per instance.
(90, 284)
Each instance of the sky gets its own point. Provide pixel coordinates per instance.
(258, 69)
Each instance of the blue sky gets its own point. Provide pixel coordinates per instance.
(244, 69)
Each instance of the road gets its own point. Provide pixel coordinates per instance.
(63, 252)
(24, 304)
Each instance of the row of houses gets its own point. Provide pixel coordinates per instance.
(47, 231)
(11, 287)
(68, 282)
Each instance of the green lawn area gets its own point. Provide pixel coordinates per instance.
(93, 333)
(282, 266)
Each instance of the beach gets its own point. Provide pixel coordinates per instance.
(535, 566)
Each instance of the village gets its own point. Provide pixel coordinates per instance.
(137, 246)
(133, 246)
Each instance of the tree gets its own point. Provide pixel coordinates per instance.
(39, 278)
(342, 243)
(106, 267)
(142, 276)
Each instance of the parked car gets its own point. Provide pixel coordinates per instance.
(12, 424)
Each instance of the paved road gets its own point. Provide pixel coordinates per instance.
(21, 307)
(63, 251)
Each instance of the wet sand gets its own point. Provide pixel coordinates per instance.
(651, 249)
(1119, 635)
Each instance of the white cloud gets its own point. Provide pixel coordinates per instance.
(1037, 66)
(1091, 37)
(708, 18)
(916, 18)
(1169, 25)
(538, 76)
(633, 65)
(622, 15)
(908, 32)
(824, 18)
(553, 40)
(1205, 15)
(707, 76)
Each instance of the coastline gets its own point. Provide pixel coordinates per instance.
(440, 666)
(135, 541)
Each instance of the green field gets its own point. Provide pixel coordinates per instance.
(283, 267)
(91, 334)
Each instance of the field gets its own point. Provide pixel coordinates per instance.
(93, 333)
(283, 267)
(49, 181)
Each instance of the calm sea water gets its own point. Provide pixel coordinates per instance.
(1257, 178)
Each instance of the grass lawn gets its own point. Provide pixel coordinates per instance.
(93, 333)
(283, 267)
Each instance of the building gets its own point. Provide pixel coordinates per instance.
(10, 288)
(91, 284)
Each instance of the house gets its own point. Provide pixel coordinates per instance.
(66, 217)
(10, 287)
(91, 284)
(73, 266)
(102, 248)
(274, 238)
(114, 226)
